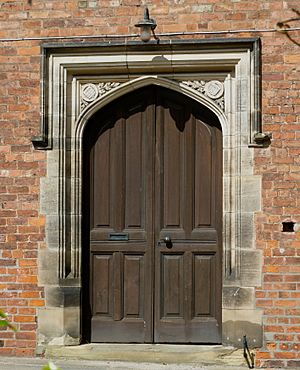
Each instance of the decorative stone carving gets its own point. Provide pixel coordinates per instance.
(90, 92)
(213, 89)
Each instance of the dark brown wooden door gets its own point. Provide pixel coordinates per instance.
(155, 168)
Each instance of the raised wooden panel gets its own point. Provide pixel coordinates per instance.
(134, 293)
(172, 289)
(101, 184)
(203, 175)
(172, 166)
(103, 285)
(188, 175)
(203, 285)
(134, 177)
(117, 152)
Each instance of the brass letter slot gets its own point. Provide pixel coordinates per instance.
(118, 236)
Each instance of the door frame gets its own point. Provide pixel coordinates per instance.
(77, 80)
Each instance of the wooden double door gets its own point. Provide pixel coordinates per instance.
(153, 171)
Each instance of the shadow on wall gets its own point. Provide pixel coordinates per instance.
(283, 26)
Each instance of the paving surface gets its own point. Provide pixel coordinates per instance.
(10, 363)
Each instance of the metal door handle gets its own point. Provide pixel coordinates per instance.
(167, 240)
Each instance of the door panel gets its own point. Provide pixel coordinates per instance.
(134, 281)
(171, 286)
(155, 167)
(188, 153)
(121, 222)
(203, 280)
(134, 176)
(172, 162)
(103, 284)
(203, 176)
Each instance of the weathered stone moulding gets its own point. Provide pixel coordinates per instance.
(78, 80)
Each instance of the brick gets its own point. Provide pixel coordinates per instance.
(25, 352)
(293, 364)
(27, 311)
(37, 302)
(293, 329)
(27, 279)
(24, 319)
(264, 302)
(27, 327)
(22, 343)
(263, 355)
(7, 351)
(273, 363)
(57, 23)
(26, 335)
(274, 329)
(286, 355)
(292, 278)
(293, 59)
(285, 303)
(273, 278)
(283, 337)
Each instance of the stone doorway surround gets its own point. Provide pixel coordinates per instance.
(78, 80)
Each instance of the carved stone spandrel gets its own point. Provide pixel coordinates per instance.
(92, 91)
(213, 89)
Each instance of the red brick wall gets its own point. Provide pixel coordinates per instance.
(21, 225)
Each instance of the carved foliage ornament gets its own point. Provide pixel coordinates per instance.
(90, 91)
(212, 89)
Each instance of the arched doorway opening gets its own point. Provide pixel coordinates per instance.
(152, 225)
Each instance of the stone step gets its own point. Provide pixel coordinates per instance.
(151, 353)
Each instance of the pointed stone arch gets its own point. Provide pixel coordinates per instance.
(147, 80)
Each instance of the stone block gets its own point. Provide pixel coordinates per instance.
(51, 322)
(204, 8)
(59, 326)
(52, 230)
(250, 193)
(53, 163)
(235, 297)
(48, 266)
(247, 230)
(246, 160)
(237, 323)
(57, 296)
(49, 195)
(72, 321)
(251, 268)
